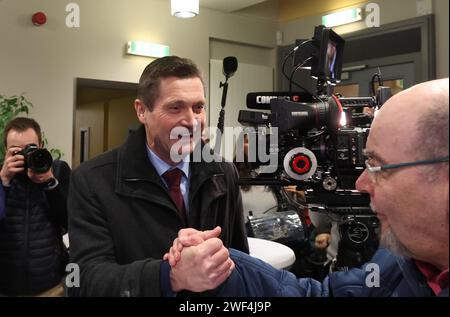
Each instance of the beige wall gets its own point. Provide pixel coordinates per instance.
(249, 54)
(42, 62)
(440, 7)
(390, 11)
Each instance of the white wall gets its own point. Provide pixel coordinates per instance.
(248, 78)
(390, 11)
(42, 62)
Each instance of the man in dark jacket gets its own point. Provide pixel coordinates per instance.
(125, 210)
(407, 178)
(2, 202)
(32, 255)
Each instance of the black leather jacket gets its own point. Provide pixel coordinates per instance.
(122, 220)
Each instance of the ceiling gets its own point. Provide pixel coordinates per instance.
(286, 10)
(229, 5)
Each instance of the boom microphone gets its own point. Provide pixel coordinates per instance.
(230, 65)
(261, 100)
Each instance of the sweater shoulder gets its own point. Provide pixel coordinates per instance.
(98, 163)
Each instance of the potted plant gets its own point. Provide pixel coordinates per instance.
(11, 107)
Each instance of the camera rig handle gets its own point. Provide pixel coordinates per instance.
(230, 65)
(223, 103)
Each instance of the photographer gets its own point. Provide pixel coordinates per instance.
(33, 257)
(327, 234)
(2, 203)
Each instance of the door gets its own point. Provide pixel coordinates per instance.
(358, 84)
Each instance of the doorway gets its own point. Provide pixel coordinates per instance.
(104, 116)
(397, 77)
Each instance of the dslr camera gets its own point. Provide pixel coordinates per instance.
(38, 160)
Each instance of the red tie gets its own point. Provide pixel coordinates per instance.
(173, 179)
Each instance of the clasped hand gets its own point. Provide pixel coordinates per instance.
(199, 261)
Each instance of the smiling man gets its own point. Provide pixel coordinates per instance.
(127, 206)
(407, 179)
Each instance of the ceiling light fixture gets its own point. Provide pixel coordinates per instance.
(184, 8)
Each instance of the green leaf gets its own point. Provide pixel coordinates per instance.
(11, 107)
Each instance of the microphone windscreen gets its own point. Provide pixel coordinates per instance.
(230, 65)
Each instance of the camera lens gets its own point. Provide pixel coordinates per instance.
(40, 161)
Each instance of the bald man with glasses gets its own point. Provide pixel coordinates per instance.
(406, 177)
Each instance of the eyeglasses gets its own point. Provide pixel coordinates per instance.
(374, 170)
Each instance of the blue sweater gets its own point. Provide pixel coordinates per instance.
(398, 277)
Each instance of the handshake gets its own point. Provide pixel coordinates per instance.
(199, 261)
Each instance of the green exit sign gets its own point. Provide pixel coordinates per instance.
(147, 49)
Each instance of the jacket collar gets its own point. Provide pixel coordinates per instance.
(202, 171)
(134, 164)
(413, 277)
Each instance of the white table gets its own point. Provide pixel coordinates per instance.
(276, 254)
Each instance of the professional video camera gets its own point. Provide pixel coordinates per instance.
(36, 159)
(320, 136)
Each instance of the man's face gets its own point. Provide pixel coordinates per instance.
(389, 195)
(20, 139)
(409, 208)
(180, 104)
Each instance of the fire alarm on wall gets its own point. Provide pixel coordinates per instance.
(39, 18)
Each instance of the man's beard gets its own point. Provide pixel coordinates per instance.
(390, 241)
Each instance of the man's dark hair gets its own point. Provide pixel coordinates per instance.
(22, 124)
(169, 66)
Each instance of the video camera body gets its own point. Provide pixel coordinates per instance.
(321, 137)
(319, 143)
